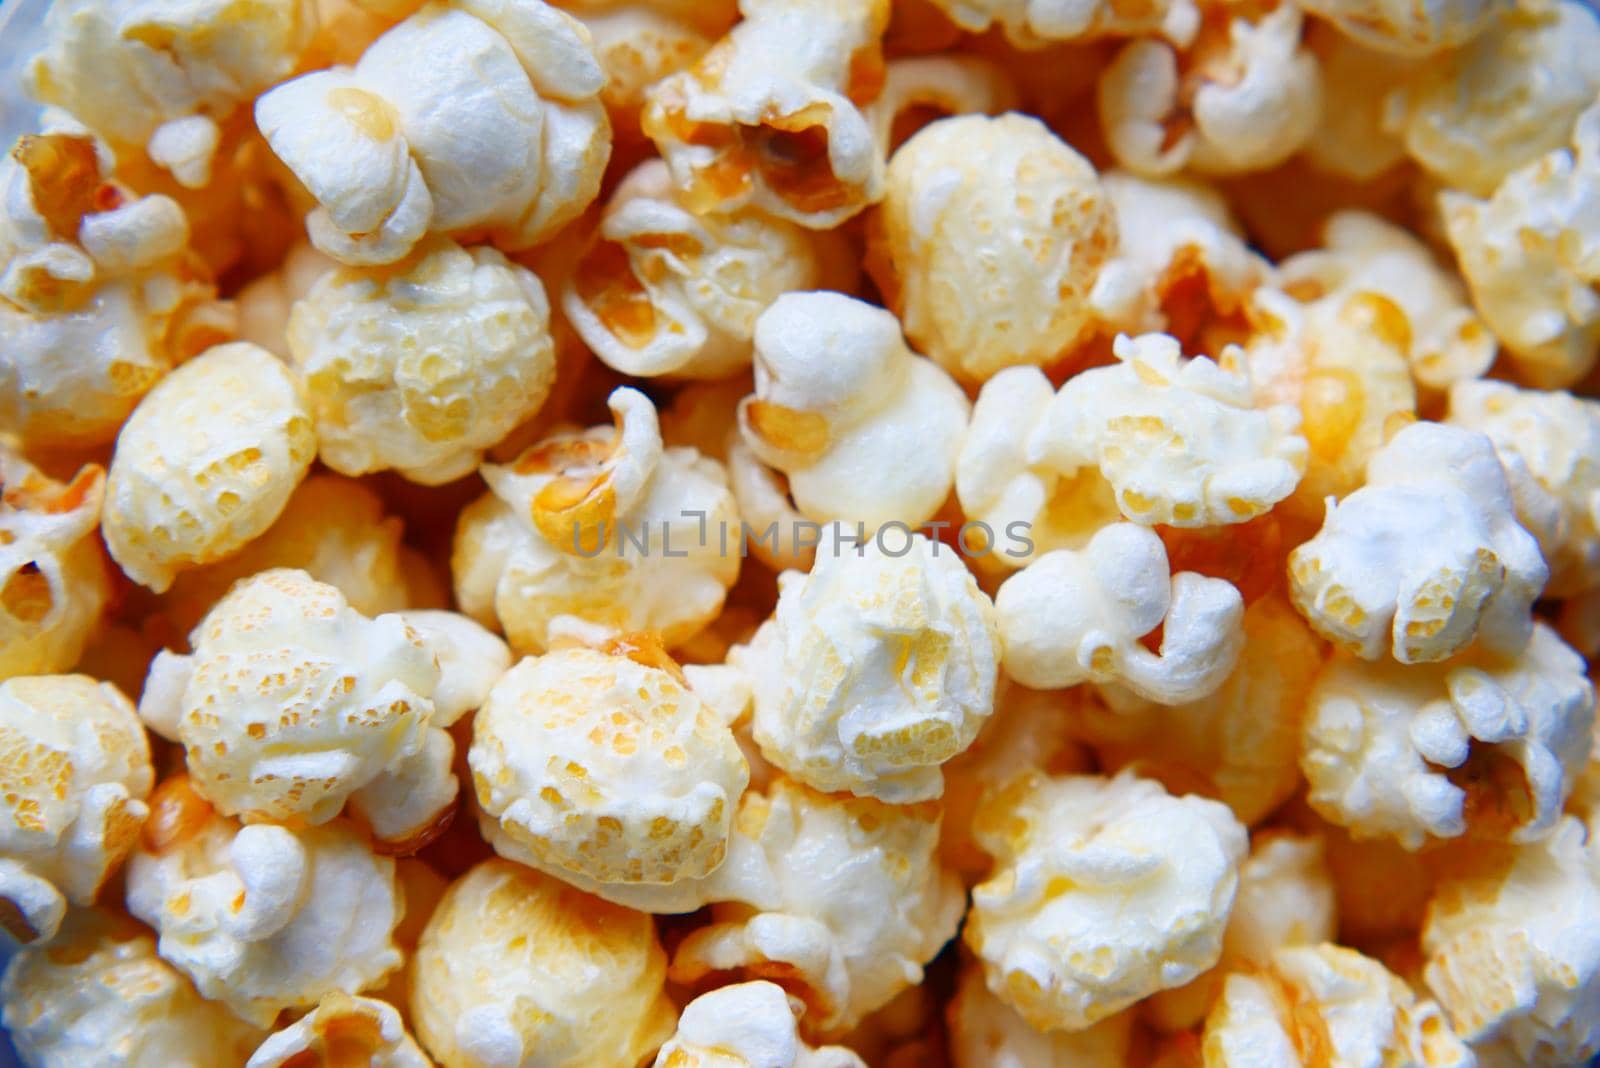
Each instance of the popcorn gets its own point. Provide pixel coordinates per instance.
(1478, 745)
(1513, 951)
(746, 1025)
(1035, 23)
(74, 773)
(55, 584)
(662, 291)
(1245, 96)
(1104, 891)
(1425, 558)
(1327, 1005)
(265, 303)
(472, 116)
(422, 368)
(293, 704)
(862, 429)
(874, 671)
(1078, 616)
(471, 660)
(710, 17)
(206, 463)
(637, 46)
(770, 118)
(1503, 99)
(990, 237)
(516, 968)
(1403, 28)
(603, 526)
(1549, 445)
(162, 76)
(1353, 139)
(986, 1033)
(1529, 256)
(262, 918)
(605, 764)
(98, 994)
(342, 1029)
(920, 89)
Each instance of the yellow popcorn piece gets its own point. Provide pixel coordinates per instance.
(1036, 23)
(265, 303)
(99, 994)
(985, 1032)
(1403, 28)
(263, 918)
(517, 968)
(746, 1025)
(342, 1030)
(1354, 138)
(74, 775)
(1104, 891)
(638, 44)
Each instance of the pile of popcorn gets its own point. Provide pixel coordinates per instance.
(802, 534)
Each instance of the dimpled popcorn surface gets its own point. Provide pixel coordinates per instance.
(800, 533)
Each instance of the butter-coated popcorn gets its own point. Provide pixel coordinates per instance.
(478, 116)
(74, 775)
(605, 526)
(206, 463)
(1549, 445)
(342, 1030)
(1104, 891)
(1425, 558)
(662, 291)
(1404, 28)
(263, 918)
(1513, 952)
(98, 994)
(771, 118)
(518, 969)
(988, 243)
(1476, 745)
(875, 670)
(53, 581)
(1034, 23)
(422, 368)
(746, 1025)
(987, 1033)
(864, 430)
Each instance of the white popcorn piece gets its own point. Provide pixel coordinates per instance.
(746, 1025)
(1531, 256)
(1478, 745)
(516, 968)
(294, 704)
(770, 118)
(863, 430)
(1241, 99)
(988, 243)
(263, 918)
(1425, 558)
(1353, 138)
(1327, 1004)
(162, 76)
(74, 775)
(1403, 28)
(779, 535)
(205, 463)
(55, 583)
(987, 1033)
(1078, 616)
(1513, 952)
(1504, 99)
(1036, 23)
(605, 764)
(661, 291)
(264, 305)
(471, 660)
(342, 1030)
(638, 44)
(422, 368)
(604, 526)
(920, 89)
(874, 671)
(1549, 445)
(478, 116)
(98, 994)
(1104, 891)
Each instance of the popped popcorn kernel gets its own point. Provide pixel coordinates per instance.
(918, 90)
(638, 44)
(1104, 891)
(263, 918)
(517, 968)
(74, 775)
(1403, 28)
(264, 305)
(985, 1033)
(1425, 558)
(874, 671)
(863, 430)
(746, 1025)
(1479, 745)
(422, 366)
(55, 583)
(1035, 23)
(342, 1030)
(988, 243)
(205, 463)
(98, 994)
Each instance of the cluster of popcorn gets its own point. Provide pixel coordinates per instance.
(802, 534)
